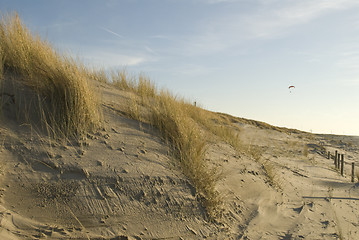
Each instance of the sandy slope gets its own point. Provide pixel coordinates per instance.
(122, 183)
(312, 200)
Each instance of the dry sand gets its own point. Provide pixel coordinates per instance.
(121, 182)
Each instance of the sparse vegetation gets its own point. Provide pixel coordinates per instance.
(178, 123)
(170, 117)
(1, 65)
(123, 80)
(133, 109)
(305, 150)
(1, 77)
(219, 126)
(62, 96)
(269, 169)
(223, 126)
(255, 152)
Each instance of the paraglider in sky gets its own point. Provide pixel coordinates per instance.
(290, 88)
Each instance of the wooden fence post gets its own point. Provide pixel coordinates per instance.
(352, 171)
(336, 159)
(342, 165)
(328, 155)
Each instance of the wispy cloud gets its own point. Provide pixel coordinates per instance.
(107, 59)
(150, 50)
(112, 32)
(272, 22)
(265, 21)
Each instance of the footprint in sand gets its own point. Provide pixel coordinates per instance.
(298, 210)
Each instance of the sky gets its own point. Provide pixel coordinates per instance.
(233, 56)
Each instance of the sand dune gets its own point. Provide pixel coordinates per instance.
(121, 182)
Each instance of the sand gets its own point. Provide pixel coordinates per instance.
(122, 182)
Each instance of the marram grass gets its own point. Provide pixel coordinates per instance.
(67, 104)
(1, 77)
(172, 117)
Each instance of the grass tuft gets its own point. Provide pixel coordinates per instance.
(305, 150)
(218, 126)
(170, 117)
(272, 176)
(123, 80)
(67, 104)
(1, 64)
(1, 78)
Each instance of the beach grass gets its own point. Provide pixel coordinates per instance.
(66, 103)
(174, 117)
(1, 77)
(272, 174)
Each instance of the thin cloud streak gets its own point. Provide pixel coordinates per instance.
(150, 50)
(112, 32)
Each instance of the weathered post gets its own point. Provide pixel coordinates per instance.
(328, 155)
(352, 171)
(342, 166)
(336, 159)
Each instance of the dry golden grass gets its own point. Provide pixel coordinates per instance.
(254, 151)
(123, 80)
(140, 85)
(173, 117)
(223, 126)
(133, 109)
(1, 77)
(271, 173)
(170, 117)
(97, 74)
(66, 102)
(1, 64)
(305, 150)
(219, 126)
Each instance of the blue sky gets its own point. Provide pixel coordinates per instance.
(232, 56)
